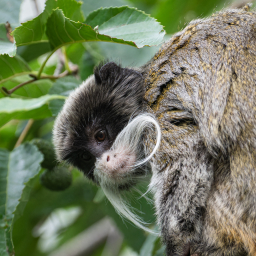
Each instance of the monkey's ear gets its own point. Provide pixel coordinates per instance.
(107, 72)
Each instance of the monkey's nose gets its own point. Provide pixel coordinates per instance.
(108, 157)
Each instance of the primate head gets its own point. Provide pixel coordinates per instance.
(101, 127)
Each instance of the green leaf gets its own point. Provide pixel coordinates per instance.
(24, 198)
(13, 108)
(160, 252)
(34, 31)
(87, 65)
(8, 237)
(70, 8)
(39, 113)
(8, 136)
(3, 242)
(16, 169)
(4, 157)
(148, 246)
(62, 86)
(91, 5)
(32, 51)
(11, 105)
(20, 172)
(122, 25)
(11, 67)
(6, 46)
(75, 52)
(128, 24)
(127, 55)
(4, 160)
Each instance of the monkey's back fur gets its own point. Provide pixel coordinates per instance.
(201, 89)
(201, 86)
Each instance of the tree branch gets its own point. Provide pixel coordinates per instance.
(24, 133)
(9, 92)
(74, 70)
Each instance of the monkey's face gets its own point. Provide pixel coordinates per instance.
(93, 116)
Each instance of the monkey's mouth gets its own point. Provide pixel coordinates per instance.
(115, 168)
(123, 183)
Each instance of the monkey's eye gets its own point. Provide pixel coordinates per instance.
(100, 135)
(86, 157)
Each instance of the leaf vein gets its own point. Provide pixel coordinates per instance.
(67, 31)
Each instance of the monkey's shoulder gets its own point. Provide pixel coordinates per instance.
(199, 50)
(223, 27)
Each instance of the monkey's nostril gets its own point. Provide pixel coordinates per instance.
(108, 158)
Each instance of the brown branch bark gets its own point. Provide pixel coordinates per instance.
(24, 133)
(74, 70)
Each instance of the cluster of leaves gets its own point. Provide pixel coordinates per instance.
(41, 62)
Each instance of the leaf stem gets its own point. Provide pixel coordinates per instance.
(24, 133)
(43, 65)
(66, 59)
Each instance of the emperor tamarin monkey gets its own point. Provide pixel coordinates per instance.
(199, 93)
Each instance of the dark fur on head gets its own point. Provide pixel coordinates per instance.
(106, 101)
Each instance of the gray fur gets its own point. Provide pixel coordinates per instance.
(201, 88)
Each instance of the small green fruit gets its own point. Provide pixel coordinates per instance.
(57, 179)
(46, 148)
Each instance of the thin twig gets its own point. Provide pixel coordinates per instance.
(3, 91)
(8, 92)
(24, 133)
(65, 73)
